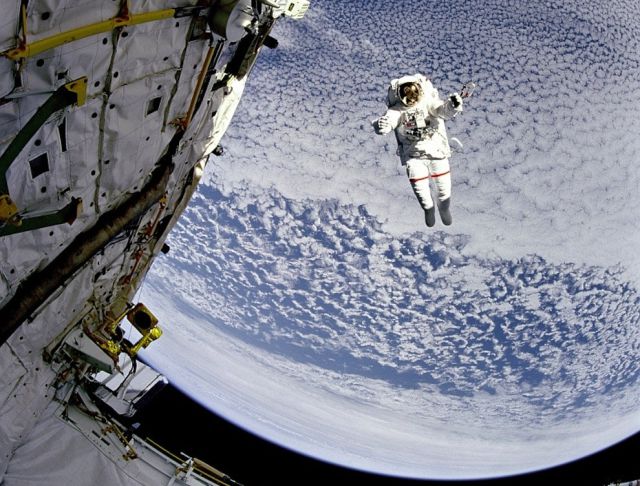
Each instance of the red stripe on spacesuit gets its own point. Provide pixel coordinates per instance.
(433, 176)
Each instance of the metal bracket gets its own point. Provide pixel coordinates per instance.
(79, 87)
(16, 224)
(8, 210)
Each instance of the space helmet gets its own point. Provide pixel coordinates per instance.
(409, 93)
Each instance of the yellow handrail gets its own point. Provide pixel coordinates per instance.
(26, 50)
(199, 83)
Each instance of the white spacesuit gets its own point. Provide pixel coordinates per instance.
(417, 115)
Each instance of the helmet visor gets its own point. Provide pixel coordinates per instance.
(410, 93)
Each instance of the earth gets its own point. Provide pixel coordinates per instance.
(304, 299)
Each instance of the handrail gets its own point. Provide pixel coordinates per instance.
(30, 49)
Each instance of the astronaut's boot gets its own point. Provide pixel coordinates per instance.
(445, 214)
(430, 216)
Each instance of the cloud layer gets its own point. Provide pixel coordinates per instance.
(505, 339)
(506, 349)
(549, 164)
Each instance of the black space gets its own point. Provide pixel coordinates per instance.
(179, 424)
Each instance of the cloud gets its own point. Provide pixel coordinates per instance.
(513, 346)
(305, 250)
(550, 144)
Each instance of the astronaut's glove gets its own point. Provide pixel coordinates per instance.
(456, 101)
(382, 125)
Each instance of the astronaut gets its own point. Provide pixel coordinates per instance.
(417, 115)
